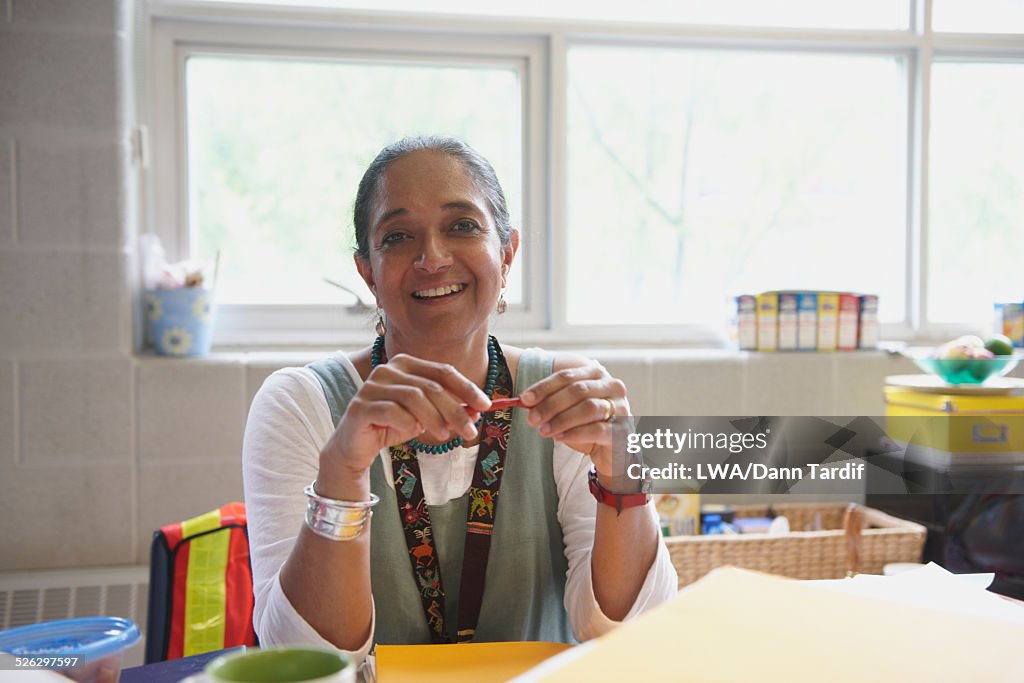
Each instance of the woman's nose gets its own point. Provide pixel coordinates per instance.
(435, 255)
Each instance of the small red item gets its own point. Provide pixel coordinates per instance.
(499, 404)
(514, 402)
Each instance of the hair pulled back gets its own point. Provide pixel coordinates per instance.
(479, 169)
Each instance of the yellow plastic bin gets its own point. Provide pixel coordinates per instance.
(964, 424)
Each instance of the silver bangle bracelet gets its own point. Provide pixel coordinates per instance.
(345, 531)
(311, 493)
(337, 520)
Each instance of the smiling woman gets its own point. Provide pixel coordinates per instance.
(429, 249)
(416, 431)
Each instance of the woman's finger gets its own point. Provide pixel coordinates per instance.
(453, 415)
(557, 381)
(580, 392)
(397, 423)
(457, 419)
(594, 410)
(446, 375)
(413, 400)
(438, 410)
(584, 437)
(366, 428)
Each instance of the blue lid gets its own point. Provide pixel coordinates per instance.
(90, 637)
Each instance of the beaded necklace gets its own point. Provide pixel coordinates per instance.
(377, 356)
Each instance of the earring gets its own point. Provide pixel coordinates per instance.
(380, 323)
(502, 304)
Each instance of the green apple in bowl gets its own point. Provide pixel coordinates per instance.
(999, 345)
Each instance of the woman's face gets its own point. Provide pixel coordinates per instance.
(436, 264)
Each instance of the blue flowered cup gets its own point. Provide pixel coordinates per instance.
(179, 322)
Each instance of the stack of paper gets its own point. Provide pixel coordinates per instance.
(736, 625)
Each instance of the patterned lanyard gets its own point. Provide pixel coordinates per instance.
(483, 506)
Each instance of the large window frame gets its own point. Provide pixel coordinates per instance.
(538, 49)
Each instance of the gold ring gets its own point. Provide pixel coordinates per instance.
(610, 415)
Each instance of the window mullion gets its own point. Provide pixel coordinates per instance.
(919, 91)
(558, 233)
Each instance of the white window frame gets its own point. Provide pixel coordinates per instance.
(174, 39)
(540, 47)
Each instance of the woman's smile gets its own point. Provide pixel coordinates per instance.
(440, 292)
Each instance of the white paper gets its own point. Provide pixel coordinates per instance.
(933, 587)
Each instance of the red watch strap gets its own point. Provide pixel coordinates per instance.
(619, 501)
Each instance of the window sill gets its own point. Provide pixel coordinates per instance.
(283, 357)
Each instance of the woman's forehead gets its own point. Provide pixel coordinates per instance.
(428, 178)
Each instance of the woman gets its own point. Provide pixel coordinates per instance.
(510, 545)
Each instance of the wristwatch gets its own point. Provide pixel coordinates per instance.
(619, 501)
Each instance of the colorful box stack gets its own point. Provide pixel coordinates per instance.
(1009, 320)
(810, 321)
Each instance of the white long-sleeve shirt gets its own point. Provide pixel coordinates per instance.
(289, 422)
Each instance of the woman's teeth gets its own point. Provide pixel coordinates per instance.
(438, 291)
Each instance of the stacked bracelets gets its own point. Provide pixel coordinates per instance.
(337, 520)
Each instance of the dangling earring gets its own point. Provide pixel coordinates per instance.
(380, 323)
(502, 304)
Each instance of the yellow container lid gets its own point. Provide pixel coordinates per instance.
(927, 392)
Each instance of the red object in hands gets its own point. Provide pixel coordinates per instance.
(514, 402)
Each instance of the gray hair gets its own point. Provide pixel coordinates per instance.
(475, 164)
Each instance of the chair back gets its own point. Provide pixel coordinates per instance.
(200, 586)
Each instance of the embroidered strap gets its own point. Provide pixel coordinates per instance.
(483, 506)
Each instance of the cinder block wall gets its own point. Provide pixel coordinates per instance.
(98, 445)
(68, 480)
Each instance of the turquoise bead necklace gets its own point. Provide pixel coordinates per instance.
(377, 357)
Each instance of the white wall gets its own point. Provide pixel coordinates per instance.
(99, 446)
(67, 479)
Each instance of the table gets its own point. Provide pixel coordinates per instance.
(446, 663)
(171, 671)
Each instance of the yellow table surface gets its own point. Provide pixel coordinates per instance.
(469, 662)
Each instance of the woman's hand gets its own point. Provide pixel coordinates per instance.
(575, 404)
(402, 399)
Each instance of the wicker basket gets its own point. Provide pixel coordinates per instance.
(871, 540)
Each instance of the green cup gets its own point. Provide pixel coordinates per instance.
(282, 665)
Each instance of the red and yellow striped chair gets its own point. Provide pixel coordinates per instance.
(200, 586)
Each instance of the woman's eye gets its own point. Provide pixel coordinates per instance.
(466, 226)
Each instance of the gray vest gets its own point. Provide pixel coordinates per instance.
(525, 579)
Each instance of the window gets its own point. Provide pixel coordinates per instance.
(871, 14)
(750, 171)
(273, 171)
(261, 135)
(978, 16)
(977, 189)
(659, 158)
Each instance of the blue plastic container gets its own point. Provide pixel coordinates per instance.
(98, 643)
(179, 322)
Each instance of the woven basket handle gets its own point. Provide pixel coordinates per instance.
(852, 524)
